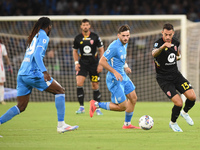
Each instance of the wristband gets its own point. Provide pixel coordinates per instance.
(76, 62)
(125, 65)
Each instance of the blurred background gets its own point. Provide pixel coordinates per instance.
(100, 7)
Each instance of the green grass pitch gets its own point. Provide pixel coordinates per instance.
(35, 129)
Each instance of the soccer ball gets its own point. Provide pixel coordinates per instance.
(146, 122)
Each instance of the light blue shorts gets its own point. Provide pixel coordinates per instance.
(119, 89)
(25, 84)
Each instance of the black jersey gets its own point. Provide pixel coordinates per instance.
(165, 62)
(87, 47)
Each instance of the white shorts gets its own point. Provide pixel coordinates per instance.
(2, 76)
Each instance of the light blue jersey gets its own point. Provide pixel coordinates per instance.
(116, 57)
(29, 64)
(30, 74)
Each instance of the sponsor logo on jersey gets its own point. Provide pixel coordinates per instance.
(86, 38)
(171, 57)
(87, 50)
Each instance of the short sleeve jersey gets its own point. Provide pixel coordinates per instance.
(3, 52)
(87, 47)
(29, 65)
(166, 63)
(116, 57)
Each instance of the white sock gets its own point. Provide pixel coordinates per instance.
(183, 111)
(172, 122)
(1, 93)
(61, 123)
(96, 104)
(127, 123)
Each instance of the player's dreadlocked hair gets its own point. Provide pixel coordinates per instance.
(168, 26)
(123, 28)
(42, 23)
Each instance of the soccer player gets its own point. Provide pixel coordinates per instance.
(3, 53)
(33, 74)
(166, 54)
(86, 45)
(119, 84)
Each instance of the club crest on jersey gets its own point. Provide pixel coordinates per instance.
(91, 42)
(169, 93)
(81, 42)
(175, 48)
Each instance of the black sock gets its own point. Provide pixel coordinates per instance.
(188, 105)
(175, 113)
(96, 95)
(80, 95)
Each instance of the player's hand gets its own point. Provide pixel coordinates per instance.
(167, 45)
(99, 68)
(47, 77)
(118, 76)
(77, 67)
(128, 70)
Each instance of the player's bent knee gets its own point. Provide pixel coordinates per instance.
(192, 98)
(179, 104)
(21, 109)
(122, 107)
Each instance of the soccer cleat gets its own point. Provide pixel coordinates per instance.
(175, 127)
(99, 113)
(130, 127)
(81, 110)
(92, 108)
(187, 118)
(66, 128)
(3, 102)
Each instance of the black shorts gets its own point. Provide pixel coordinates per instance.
(91, 69)
(170, 87)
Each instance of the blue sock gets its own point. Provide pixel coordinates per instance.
(9, 114)
(128, 116)
(104, 105)
(60, 106)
